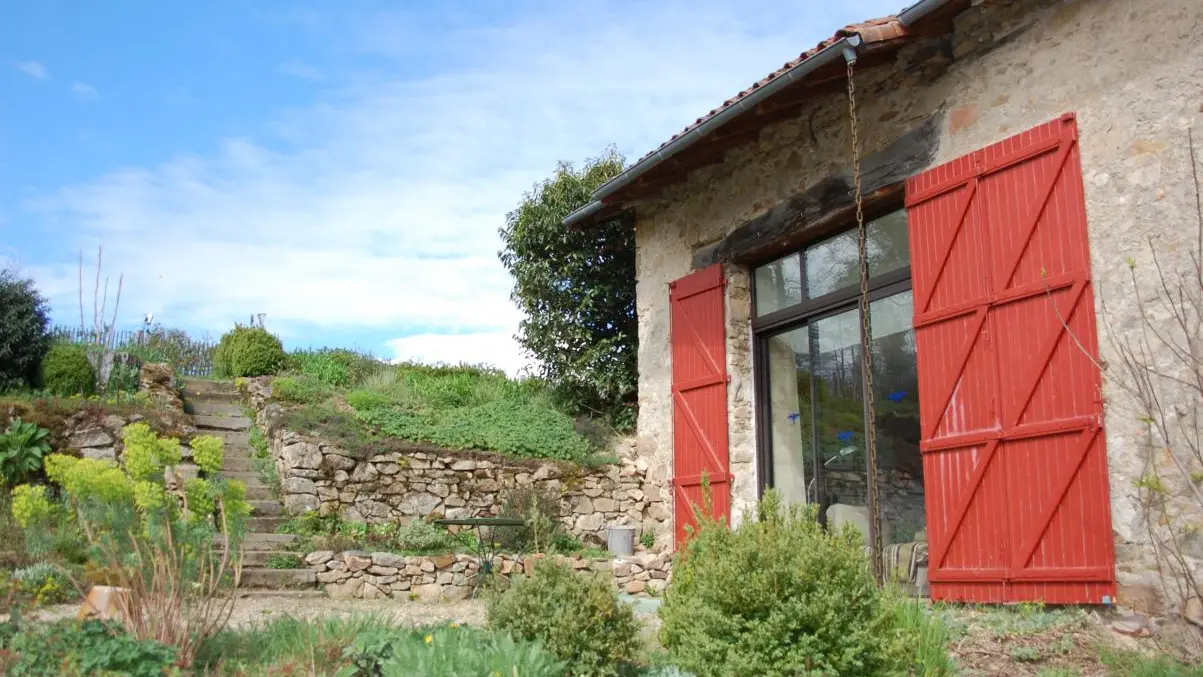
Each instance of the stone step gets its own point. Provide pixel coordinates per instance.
(215, 408)
(269, 508)
(238, 464)
(236, 423)
(250, 477)
(235, 440)
(204, 386)
(267, 539)
(313, 593)
(260, 558)
(278, 578)
(264, 523)
(259, 492)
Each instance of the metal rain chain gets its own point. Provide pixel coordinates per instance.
(875, 540)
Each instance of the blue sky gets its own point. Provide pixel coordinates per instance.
(341, 167)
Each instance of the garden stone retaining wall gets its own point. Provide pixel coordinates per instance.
(363, 575)
(419, 481)
(92, 433)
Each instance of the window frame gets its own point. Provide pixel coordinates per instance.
(786, 319)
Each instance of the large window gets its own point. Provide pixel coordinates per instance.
(812, 404)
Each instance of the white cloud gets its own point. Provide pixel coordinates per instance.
(377, 207)
(33, 69)
(300, 69)
(84, 91)
(497, 349)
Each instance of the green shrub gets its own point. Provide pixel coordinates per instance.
(248, 351)
(67, 371)
(87, 648)
(335, 367)
(422, 536)
(208, 452)
(46, 583)
(539, 509)
(365, 400)
(778, 596)
(24, 330)
(22, 447)
(577, 617)
(300, 389)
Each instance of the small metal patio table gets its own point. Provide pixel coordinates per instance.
(486, 548)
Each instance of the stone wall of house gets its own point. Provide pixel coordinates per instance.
(1134, 79)
(412, 481)
(365, 575)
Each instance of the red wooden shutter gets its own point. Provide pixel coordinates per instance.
(1011, 410)
(699, 367)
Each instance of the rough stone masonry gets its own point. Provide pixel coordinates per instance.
(416, 481)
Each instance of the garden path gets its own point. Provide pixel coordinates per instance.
(216, 409)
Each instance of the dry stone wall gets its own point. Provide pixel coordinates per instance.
(415, 481)
(92, 432)
(375, 575)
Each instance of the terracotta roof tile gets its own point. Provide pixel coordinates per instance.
(871, 31)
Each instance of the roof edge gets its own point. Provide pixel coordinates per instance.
(827, 54)
(906, 17)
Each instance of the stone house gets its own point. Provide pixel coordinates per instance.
(1016, 157)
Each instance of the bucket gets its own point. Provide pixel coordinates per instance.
(621, 540)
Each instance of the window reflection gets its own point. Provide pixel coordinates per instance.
(778, 285)
(817, 426)
(835, 263)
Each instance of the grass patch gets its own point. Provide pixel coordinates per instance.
(284, 562)
(464, 408)
(370, 645)
(1136, 664)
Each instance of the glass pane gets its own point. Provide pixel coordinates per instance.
(790, 415)
(895, 387)
(839, 463)
(834, 264)
(778, 285)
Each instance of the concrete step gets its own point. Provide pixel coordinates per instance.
(260, 558)
(264, 523)
(233, 439)
(278, 578)
(268, 508)
(215, 408)
(262, 539)
(236, 423)
(202, 386)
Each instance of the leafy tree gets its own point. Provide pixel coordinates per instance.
(577, 289)
(24, 330)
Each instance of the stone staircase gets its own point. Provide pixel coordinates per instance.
(217, 410)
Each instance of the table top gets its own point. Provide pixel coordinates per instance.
(482, 522)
